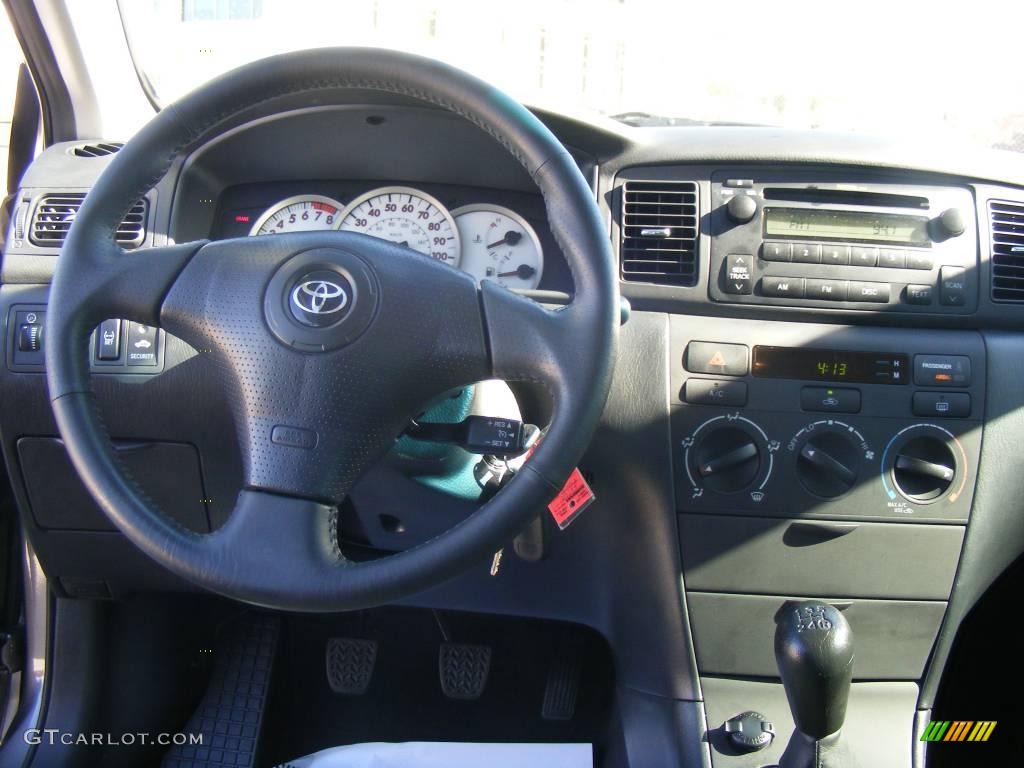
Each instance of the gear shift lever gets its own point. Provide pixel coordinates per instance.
(814, 652)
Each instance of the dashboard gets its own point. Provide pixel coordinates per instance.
(817, 392)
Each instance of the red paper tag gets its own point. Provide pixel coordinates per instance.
(574, 497)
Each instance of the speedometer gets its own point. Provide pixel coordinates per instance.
(406, 216)
(298, 214)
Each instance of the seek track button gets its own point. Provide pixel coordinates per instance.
(738, 276)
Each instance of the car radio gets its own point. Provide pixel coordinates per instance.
(862, 246)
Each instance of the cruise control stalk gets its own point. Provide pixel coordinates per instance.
(502, 438)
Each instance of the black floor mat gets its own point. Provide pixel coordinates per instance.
(404, 701)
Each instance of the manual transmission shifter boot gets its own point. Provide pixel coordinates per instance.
(814, 652)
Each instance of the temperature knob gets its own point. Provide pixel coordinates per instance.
(828, 464)
(924, 469)
(727, 459)
(925, 464)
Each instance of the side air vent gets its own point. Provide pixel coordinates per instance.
(54, 214)
(100, 149)
(1007, 220)
(659, 232)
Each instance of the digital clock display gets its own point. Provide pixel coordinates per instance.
(830, 365)
(802, 223)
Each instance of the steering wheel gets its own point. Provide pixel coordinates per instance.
(327, 343)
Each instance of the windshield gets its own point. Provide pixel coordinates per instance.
(917, 70)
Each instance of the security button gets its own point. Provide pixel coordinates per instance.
(143, 345)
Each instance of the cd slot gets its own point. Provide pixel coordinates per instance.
(844, 197)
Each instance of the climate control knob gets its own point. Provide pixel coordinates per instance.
(828, 464)
(924, 468)
(727, 459)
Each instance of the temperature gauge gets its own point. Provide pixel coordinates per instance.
(499, 244)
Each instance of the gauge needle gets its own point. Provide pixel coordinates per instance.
(523, 272)
(511, 237)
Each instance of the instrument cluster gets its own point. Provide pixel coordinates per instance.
(490, 242)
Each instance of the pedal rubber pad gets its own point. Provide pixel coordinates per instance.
(561, 689)
(464, 670)
(230, 716)
(350, 664)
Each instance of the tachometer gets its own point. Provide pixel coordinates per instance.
(407, 216)
(298, 214)
(499, 244)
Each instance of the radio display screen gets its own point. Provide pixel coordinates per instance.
(846, 225)
(830, 365)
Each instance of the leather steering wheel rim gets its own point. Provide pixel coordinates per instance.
(350, 395)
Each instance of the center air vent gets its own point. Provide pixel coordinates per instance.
(1007, 221)
(100, 149)
(659, 232)
(54, 214)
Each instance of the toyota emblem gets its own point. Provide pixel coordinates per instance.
(319, 297)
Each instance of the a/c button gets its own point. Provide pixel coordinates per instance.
(715, 392)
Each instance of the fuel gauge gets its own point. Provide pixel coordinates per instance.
(499, 244)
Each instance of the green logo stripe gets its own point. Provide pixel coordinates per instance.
(935, 731)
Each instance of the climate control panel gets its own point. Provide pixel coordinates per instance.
(874, 431)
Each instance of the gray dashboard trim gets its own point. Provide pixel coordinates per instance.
(995, 533)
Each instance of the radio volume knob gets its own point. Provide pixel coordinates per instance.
(950, 223)
(741, 208)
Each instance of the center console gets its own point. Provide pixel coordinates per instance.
(820, 461)
(833, 460)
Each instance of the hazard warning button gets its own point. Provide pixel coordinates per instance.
(713, 357)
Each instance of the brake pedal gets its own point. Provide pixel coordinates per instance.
(464, 670)
(350, 664)
(229, 717)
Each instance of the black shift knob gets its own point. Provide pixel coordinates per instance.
(814, 651)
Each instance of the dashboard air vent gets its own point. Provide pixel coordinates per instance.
(659, 232)
(1007, 221)
(100, 149)
(55, 212)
